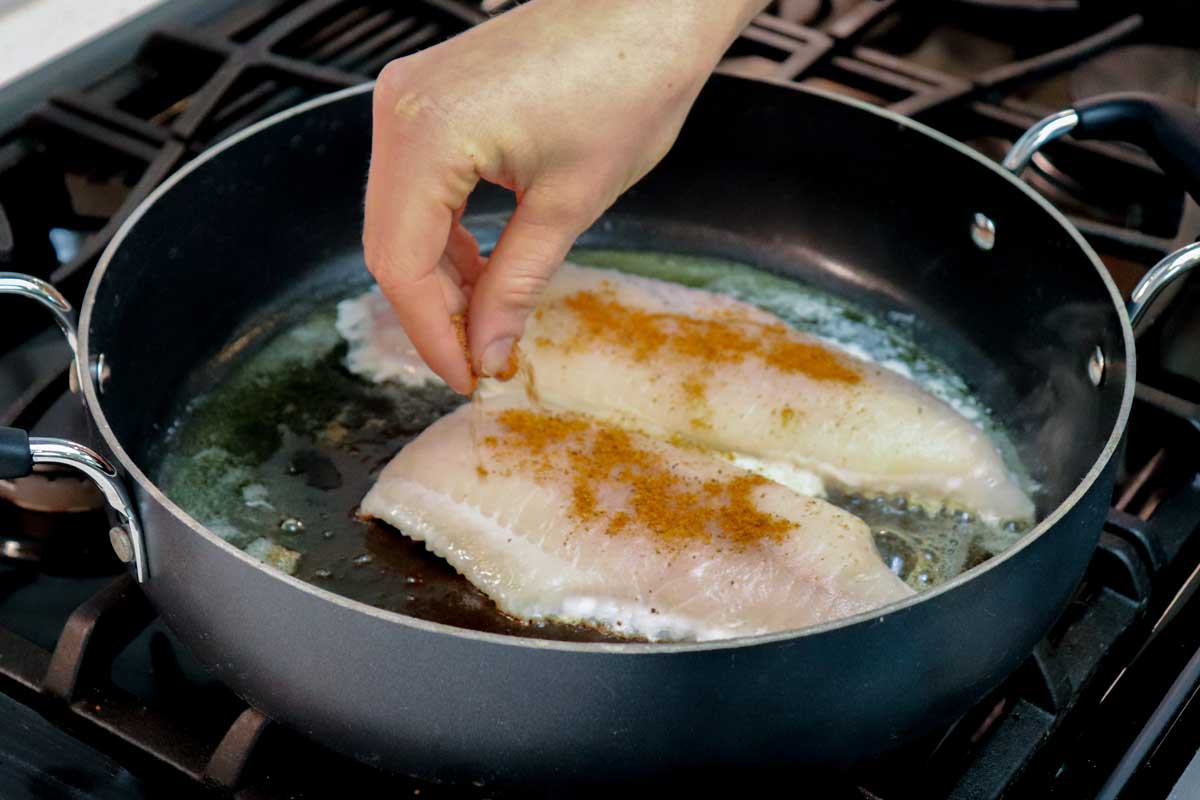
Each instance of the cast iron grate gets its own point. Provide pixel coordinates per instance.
(124, 134)
(71, 174)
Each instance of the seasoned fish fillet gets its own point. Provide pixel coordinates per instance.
(380, 351)
(681, 362)
(674, 361)
(564, 517)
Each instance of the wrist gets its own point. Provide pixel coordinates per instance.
(706, 28)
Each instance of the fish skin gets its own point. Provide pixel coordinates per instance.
(508, 528)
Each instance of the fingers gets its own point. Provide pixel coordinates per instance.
(410, 235)
(462, 250)
(530, 249)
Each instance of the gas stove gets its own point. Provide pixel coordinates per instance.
(100, 700)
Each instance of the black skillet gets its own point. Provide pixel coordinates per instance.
(845, 197)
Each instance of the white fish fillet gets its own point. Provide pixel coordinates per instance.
(380, 350)
(562, 517)
(675, 361)
(880, 433)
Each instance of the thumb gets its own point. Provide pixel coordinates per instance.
(531, 248)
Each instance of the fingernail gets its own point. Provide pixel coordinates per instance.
(495, 357)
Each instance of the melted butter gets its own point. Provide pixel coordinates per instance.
(290, 432)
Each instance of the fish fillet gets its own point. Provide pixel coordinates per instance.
(675, 361)
(560, 516)
(680, 362)
(380, 350)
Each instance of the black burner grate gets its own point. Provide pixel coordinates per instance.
(98, 152)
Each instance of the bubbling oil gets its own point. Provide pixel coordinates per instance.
(927, 548)
(276, 456)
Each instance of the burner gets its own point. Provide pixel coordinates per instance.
(50, 489)
(53, 518)
(57, 543)
(1158, 69)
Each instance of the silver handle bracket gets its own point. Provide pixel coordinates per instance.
(20, 285)
(1040, 134)
(126, 535)
(1161, 275)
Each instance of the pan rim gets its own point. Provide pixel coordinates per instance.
(145, 484)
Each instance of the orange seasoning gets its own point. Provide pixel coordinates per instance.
(510, 366)
(720, 339)
(694, 388)
(459, 321)
(594, 458)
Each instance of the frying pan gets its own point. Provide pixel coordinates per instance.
(837, 194)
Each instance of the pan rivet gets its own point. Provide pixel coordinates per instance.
(100, 372)
(1095, 367)
(983, 232)
(118, 537)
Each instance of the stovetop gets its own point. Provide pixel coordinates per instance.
(97, 697)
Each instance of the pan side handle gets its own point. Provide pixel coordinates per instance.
(1169, 131)
(1162, 274)
(20, 285)
(1166, 129)
(19, 453)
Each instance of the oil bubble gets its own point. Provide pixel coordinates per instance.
(292, 525)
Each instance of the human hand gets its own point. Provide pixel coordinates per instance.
(567, 103)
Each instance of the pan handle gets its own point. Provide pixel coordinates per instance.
(1165, 272)
(1167, 130)
(20, 285)
(18, 455)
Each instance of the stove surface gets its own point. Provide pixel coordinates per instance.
(101, 700)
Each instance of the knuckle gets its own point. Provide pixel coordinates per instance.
(406, 104)
(395, 77)
(388, 85)
(522, 286)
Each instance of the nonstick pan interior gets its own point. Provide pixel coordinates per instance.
(284, 446)
(273, 443)
(795, 183)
